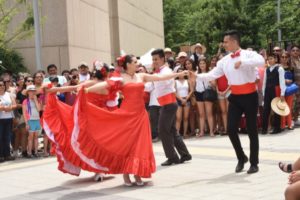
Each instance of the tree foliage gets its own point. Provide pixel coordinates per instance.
(191, 21)
(9, 34)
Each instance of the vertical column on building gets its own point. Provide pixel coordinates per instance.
(114, 29)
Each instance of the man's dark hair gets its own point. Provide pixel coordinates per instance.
(294, 45)
(65, 71)
(159, 52)
(51, 66)
(233, 34)
(73, 69)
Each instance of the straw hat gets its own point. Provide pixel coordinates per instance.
(199, 45)
(280, 107)
(166, 50)
(182, 54)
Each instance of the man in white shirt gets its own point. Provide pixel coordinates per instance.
(165, 93)
(239, 69)
(52, 72)
(84, 74)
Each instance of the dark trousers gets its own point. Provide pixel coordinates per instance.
(270, 94)
(239, 104)
(168, 133)
(154, 116)
(5, 137)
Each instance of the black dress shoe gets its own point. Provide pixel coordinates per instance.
(276, 131)
(185, 158)
(240, 165)
(9, 158)
(264, 132)
(171, 162)
(252, 169)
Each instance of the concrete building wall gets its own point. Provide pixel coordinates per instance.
(88, 31)
(54, 36)
(85, 30)
(140, 25)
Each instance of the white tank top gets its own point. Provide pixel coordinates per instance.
(5, 100)
(182, 88)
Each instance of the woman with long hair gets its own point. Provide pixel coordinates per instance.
(190, 65)
(183, 94)
(205, 107)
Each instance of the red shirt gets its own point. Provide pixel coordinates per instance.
(222, 83)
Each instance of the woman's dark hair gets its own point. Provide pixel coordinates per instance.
(127, 59)
(194, 66)
(102, 73)
(1, 80)
(288, 56)
(25, 80)
(171, 62)
(36, 73)
(199, 69)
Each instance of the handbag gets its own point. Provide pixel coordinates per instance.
(291, 89)
(209, 94)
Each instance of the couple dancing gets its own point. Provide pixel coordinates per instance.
(116, 142)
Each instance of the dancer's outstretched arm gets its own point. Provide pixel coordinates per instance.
(162, 77)
(98, 87)
(62, 89)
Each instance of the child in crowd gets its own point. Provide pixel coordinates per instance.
(273, 86)
(31, 108)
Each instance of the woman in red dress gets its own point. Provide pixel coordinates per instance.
(119, 140)
(59, 128)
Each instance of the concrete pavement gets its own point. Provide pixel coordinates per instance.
(209, 176)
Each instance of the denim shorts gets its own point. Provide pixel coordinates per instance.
(34, 125)
(180, 104)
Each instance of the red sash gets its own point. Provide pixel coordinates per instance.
(167, 99)
(246, 88)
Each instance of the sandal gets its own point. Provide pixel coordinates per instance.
(287, 168)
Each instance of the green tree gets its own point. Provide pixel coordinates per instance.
(9, 9)
(204, 21)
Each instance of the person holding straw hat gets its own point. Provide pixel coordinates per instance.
(273, 86)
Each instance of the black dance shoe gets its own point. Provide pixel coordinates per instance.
(171, 162)
(252, 169)
(240, 165)
(185, 158)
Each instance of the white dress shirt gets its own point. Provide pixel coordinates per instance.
(164, 87)
(149, 87)
(246, 73)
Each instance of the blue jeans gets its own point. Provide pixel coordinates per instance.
(5, 136)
